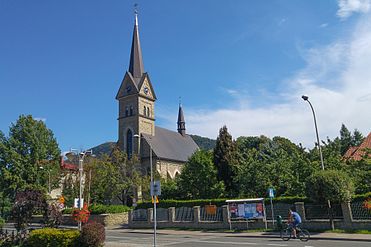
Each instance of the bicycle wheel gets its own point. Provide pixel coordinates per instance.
(304, 235)
(286, 234)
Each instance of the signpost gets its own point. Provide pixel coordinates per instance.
(271, 196)
(155, 191)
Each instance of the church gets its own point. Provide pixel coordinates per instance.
(137, 132)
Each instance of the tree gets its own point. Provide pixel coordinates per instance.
(105, 181)
(29, 146)
(198, 179)
(357, 138)
(26, 203)
(345, 139)
(129, 174)
(360, 171)
(333, 185)
(276, 163)
(225, 159)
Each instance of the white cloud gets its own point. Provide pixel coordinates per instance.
(40, 119)
(348, 7)
(337, 79)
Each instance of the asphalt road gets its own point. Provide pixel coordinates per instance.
(134, 239)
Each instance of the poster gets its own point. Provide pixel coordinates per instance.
(241, 210)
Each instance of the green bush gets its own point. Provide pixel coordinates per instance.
(361, 197)
(108, 209)
(51, 237)
(219, 202)
(102, 209)
(2, 222)
(92, 235)
(333, 185)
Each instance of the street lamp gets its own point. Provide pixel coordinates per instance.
(306, 98)
(151, 186)
(81, 156)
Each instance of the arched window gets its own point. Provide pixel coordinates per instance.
(131, 110)
(126, 111)
(144, 111)
(148, 112)
(129, 143)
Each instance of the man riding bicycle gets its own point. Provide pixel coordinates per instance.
(294, 220)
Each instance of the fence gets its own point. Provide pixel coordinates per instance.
(359, 212)
(315, 211)
(346, 216)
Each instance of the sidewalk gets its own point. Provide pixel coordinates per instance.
(314, 235)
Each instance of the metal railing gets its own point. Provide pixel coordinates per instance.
(321, 211)
(206, 215)
(184, 214)
(139, 215)
(359, 212)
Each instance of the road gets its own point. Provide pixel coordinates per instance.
(127, 238)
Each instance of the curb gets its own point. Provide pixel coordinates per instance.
(247, 235)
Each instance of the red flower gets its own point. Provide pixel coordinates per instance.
(367, 204)
(81, 215)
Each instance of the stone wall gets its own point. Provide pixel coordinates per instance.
(346, 223)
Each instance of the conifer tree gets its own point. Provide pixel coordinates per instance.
(225, 159)
(345, 139)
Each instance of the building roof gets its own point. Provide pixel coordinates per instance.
(171, 145)
(357, 153)
(136, 67)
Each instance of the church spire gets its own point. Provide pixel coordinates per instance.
(136, 67)
(181, 122)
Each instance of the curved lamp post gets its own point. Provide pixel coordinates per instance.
(306, 98)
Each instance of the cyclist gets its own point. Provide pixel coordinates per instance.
(294, 221)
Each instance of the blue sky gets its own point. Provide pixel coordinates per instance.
(240, 63)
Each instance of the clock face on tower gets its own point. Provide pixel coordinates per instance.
(146, 90)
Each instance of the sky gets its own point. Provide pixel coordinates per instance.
(243, 64)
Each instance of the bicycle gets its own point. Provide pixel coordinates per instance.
(301, 233)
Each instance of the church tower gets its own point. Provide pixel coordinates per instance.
(181, 122)
(136, 98)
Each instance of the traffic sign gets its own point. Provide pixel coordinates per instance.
(153, 200)
(61, 199)
(156, 188)
(271, 192)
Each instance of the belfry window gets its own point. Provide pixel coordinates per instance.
(126, 111)
(129, 143)
(131, 110)
(148, 113)
(144, 111)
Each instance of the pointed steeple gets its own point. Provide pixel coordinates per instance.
(181, 122)
(136, 67)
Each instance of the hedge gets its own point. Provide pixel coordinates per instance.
(219, 202)
(51, 237)
(102, 209)
(361, 197)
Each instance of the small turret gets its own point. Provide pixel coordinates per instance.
(181, 122)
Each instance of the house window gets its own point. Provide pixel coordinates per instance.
(129, 143)
(126, 111)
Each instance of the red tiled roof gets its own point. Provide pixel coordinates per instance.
(356, 153)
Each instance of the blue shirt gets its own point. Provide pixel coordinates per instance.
(296, 217)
